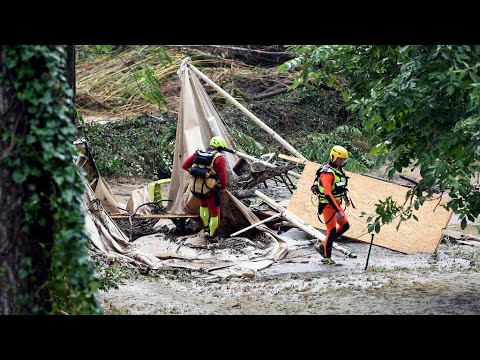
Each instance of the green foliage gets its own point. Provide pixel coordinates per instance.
(162, 55)
(96, 51)
(44, 152)
(389, 210)
(142, 147)
(110, 277)
(317, 147)
(150, 87)
(421, 104)
(247, 144)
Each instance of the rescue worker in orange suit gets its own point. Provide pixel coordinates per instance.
(331, 188)
(208, 177)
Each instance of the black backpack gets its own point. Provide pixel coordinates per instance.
(202, 176)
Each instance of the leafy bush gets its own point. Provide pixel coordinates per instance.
(136, 147)
(110, 277)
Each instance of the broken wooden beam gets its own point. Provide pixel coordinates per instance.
(309, 229)
(292, 159)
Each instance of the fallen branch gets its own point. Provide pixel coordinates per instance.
(268, 94)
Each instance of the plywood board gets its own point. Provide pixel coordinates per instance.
(412, 237)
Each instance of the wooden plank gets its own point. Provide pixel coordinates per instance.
(412, 237)
(292, 159)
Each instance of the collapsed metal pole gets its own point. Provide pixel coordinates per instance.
(247, 112)
(256, 224)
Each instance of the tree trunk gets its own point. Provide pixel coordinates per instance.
(71, 79)
(16, 247)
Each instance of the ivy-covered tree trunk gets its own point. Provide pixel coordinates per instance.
(19, 252)
(71, 78)
(44, 264)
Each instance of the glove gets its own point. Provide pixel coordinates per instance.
(315, 189)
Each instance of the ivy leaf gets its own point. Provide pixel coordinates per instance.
(19, 176)
(46, 98)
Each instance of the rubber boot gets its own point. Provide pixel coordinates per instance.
(205, 216)
(214, 225)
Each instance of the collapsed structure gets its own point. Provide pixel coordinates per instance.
(234, 256)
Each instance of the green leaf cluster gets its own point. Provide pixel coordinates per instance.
(419, 104)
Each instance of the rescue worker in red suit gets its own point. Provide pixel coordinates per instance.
(208, 177)
(331, 188)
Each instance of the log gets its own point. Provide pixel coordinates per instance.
(301, 224)
(268, 94)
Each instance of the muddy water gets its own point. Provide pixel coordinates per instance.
(394, 283)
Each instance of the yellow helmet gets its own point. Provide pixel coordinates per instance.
(218, 142)
(338, 152)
